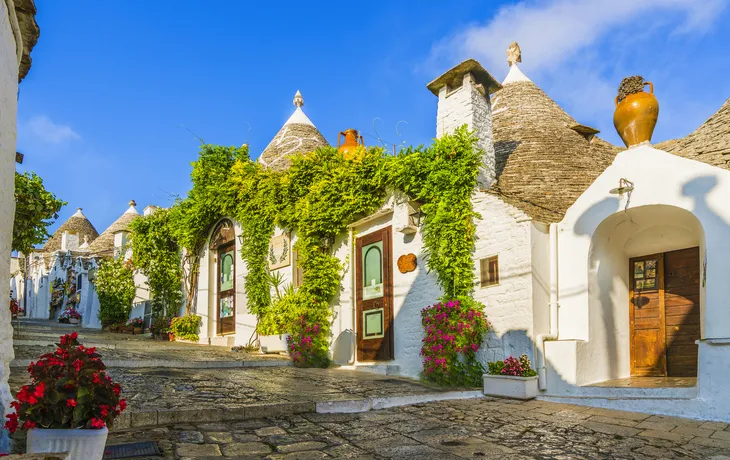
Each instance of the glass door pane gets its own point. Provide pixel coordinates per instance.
(372, 269)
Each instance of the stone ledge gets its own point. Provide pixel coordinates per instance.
(161, 363)
(212, 415)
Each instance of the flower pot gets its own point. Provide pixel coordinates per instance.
(137, 330)
(80, 444)
(73, 321)
(170, 336)
(508, 386)
(273, 343)
(636, 116)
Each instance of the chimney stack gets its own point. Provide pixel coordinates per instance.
(463, 94)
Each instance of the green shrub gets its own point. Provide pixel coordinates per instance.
(115, 288)
(186, 327)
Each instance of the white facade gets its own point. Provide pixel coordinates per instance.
(676, 203)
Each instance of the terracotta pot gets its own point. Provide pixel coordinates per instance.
(136, 330)
(170, 336)
(636, 116)
(353, 140)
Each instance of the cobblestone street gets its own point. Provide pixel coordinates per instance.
(480, 428)
(277, 412)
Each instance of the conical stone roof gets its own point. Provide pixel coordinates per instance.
(544, 159)
(103, 246)
(78, 225)
(710, 143)
(298, 135)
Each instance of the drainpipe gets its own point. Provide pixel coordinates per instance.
(553, 327)
(353, 295)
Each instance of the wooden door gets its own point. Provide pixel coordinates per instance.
(226, 289)
(374, 292)
(646, 316)
(682, 310)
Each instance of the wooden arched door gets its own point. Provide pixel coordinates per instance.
(223, 245)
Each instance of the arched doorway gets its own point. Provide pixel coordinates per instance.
(223, 245)
(646, 292)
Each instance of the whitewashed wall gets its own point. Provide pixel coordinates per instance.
(668, 188)
(8, 113)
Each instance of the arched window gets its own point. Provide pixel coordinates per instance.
(223, 234)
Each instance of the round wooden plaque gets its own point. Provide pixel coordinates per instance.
(407, 263)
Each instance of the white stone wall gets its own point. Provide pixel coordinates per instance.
(506, 232)
(8, 113)
(467, 105)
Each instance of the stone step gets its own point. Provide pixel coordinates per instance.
(173, 364)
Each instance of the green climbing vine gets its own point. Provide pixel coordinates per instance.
(317, 197)
(35, 209)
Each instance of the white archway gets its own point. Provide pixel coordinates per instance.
(635, 232)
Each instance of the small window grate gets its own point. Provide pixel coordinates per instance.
(137, 449)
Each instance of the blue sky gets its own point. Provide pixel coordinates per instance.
(112, 83)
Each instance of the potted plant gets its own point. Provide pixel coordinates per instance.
(160, 328)
(136, 325)
(68, 404)
(511, 378)
(70, 315)
(186, 327)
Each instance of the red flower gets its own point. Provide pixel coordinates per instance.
(97, 423)
(12, 424)
(96, 379)
(117, 389)
(122, 404)
(40, 389)
(104, 410)
(90, 351)
(71, 402)
(28, 425)
(32, 400)
(15, 405)
(78, 364)
(74, 335)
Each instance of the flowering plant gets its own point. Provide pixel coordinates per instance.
(15, 308)
(513, 366)
(136, 322)
(308, 344)
(70, 313)
(69, 389)
(454, 330)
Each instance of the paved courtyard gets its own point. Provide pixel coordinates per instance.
(477, 428)
(277, 412)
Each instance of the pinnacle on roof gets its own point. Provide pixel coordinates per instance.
(298, 135)
(514, 55)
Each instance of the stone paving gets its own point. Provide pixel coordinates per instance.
(477, 428)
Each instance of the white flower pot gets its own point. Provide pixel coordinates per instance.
(508, 386)
(73, 321)
(80, 444)
(273, 343)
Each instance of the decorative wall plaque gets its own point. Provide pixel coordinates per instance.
(407, 263)
(279, 251)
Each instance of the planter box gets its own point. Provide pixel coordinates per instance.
(136, 330)
(508, 386)
(273, 343)
(80, 444)
(73, 321)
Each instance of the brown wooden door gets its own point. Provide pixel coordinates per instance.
(682, 310)
(646, 316)
(374, 292)
(226, 289)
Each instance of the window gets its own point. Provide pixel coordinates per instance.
(489, 269)
(298, 271)
(78, 283)
(372, 270)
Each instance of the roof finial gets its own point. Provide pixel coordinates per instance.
(514, 54)
(132, 203)
(298, 99)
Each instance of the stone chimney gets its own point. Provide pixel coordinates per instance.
(463, 94)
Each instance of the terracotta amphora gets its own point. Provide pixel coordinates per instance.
(636, 116)
(353, 140)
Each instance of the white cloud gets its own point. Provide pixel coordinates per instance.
(549, 32)
(42, 128)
